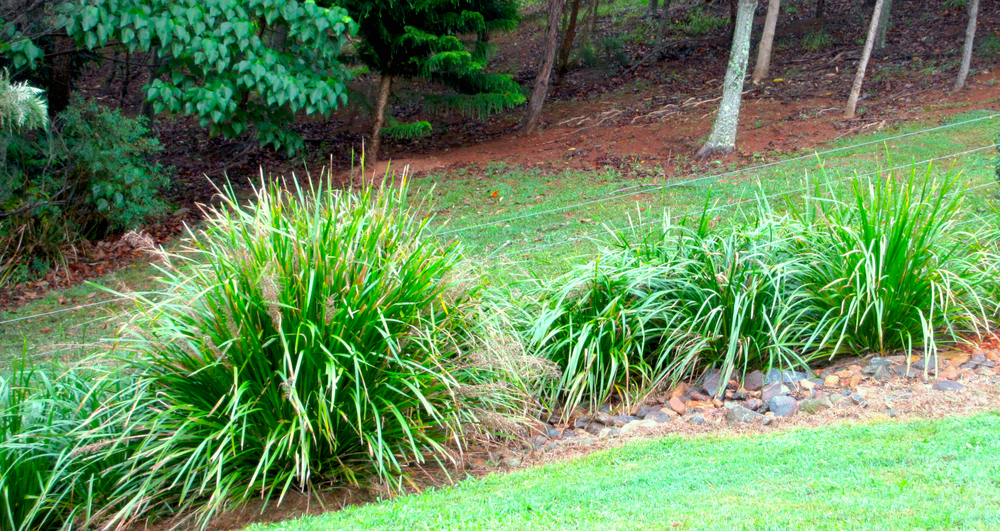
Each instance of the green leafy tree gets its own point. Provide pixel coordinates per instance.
(445, 41)
(238, 65)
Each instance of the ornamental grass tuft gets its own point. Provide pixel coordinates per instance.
(310, 337)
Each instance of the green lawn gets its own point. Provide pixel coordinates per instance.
(942, 474)
(540, 217)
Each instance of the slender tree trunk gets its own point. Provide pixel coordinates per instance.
(820, 6)
(723, 139)
(541, 88)
(763, 66)
(567, 43)
(883, 25)
(384, 88)
(653, 5)
(970, 36)
(661, 29)
(859, 78)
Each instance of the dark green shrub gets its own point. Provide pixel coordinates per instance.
(90, 174)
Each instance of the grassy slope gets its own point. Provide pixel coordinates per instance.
(465, 199)
(941, 474)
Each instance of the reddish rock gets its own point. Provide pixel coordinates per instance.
(678, 406)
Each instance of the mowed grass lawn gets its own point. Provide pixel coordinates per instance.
(941, 474)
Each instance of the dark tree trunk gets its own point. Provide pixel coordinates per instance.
(372, 153)
(653, 5)
(567, 43)
(661, 28)
(541, 88)
(820, 6)
(60, 80)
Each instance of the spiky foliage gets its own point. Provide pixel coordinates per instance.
(21, 105)
(311, 337)
(48, 476)
(425, 39)
(891, 264)
(879, 264)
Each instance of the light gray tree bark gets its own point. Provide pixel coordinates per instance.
(970, 36)
(859, 78)
(723, 138)
(763, 66)
(541, 88)
(883, 24)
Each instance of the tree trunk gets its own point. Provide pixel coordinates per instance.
(723, 139)
(661, 29)
(859, 78)
(763, 66)
(970, 35)
(733, 10)
(384, 88)
(883, 25)
(653, 5)
(820, 5)
(541, 88)
(567, 43)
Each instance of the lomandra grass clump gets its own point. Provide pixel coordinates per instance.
(305, 339)
(879, 264)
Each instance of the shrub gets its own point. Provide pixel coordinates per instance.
(889, 264)
(310, 337)
(876, 265)
(91, 175)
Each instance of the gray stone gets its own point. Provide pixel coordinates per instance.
(837, 398)
(697, 419)
(947, 385)
(892, 413)
(659, 416)
(741, 414)
(767, 421)
(754, 381)
(512, 462)
(643, 411)
(857, 399)
(539, 441)
(582, 422)
(605, 418)
(815, 405)
(623, 420)
(553, 433)
(594, 428)
(818, 382)
(879, 362)
(782, 406)
(712, 383)
(774, 375)
(607, 432)
(978, 358)
(741, 394)
(773, 390)
(605, 408)
(754, 404)
(650, 411)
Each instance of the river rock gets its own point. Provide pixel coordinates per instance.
(782, 406)
(774, 375)
(737, 413)
(815, 405)
(754, 381)
(947, 385)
